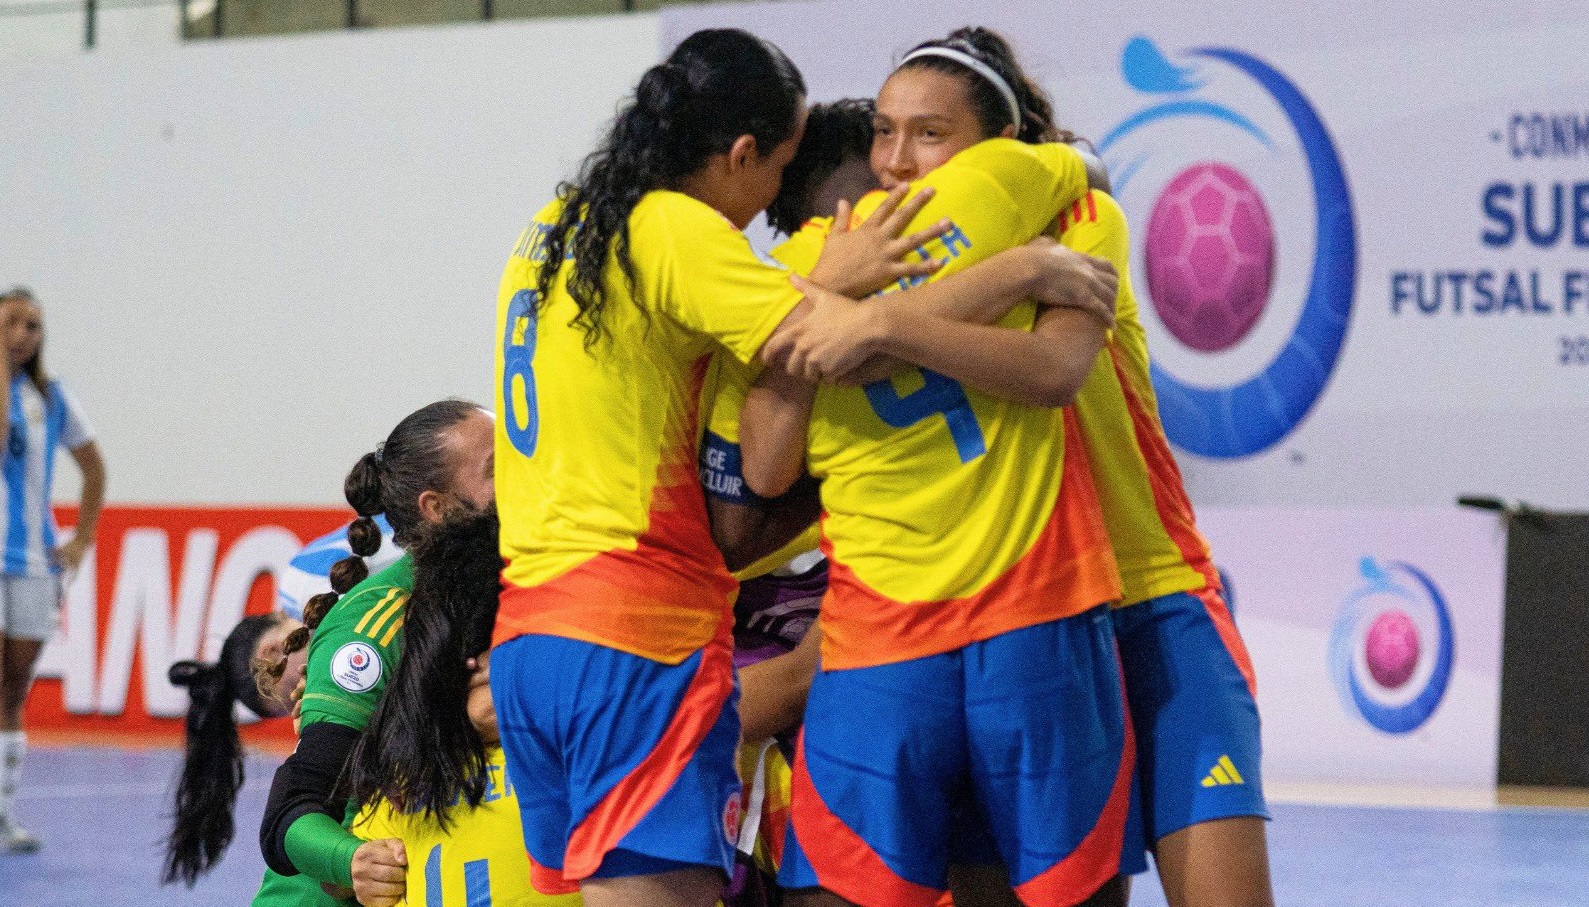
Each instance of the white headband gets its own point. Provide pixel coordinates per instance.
(977, 66)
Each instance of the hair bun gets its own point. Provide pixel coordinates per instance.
(664, 91)
(363, 486)
(190, 673)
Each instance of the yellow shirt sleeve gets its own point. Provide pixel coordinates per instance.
(705, 275)
(1096, 225)
(999, 193)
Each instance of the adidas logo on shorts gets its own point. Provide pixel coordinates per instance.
(1223, 773)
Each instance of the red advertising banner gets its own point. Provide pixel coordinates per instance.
(162, 584)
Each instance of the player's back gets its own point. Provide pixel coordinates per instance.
(478, 859)
(1146, 509)
(603, 518)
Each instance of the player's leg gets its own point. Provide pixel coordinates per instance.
(881, 752)
(1189, 681)
(1052, 757)
(1219, 863)
(31, 608)
(629, 792)
(677, 888)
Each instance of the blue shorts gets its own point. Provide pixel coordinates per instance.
(623, 765)
(1027, 731)
(1189, 685)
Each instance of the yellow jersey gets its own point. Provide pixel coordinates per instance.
(1149, 516)
(604, 529)
(723, 395)
(480, 860)
(951, 516)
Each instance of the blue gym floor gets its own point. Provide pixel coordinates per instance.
(102, 813)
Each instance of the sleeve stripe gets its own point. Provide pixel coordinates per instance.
(393, 610)
(359, 628)
(391, 632)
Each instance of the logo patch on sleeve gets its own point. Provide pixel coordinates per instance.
(356, 667)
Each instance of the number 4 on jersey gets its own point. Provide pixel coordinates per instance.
(523, 422)
(937, 394)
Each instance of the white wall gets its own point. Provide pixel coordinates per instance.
(41, 29)
(254, 256)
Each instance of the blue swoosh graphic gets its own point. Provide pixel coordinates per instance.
(1253, 416)
(1146, 68)
(1171, 109)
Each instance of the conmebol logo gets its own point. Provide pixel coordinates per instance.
(1210, 252)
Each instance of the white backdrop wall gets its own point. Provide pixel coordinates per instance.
(254, 256)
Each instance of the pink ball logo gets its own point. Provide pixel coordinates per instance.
(1391, 649)
(1210, 256)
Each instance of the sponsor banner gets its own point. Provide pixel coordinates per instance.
(1359, 240)
(1376, 638)
(162, 584)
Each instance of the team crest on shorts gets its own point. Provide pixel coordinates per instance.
(356, 667)
(732, 813)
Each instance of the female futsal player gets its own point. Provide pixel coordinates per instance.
(968, 549)
(1208, 835)
(611, 570)
(44, 417)
(435, 463)
(429, 769)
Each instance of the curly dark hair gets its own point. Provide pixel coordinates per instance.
(835, 134)
(718, 85)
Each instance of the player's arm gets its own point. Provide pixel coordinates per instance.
(773, 693)
(773, 429)
(1041, 367)
(749, 530)
(842, 339)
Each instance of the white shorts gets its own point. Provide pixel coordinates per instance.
(30, 606)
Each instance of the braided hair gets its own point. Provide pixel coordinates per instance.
(718, 85)
(412, 459)
(212, 769)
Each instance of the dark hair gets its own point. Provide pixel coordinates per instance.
(993, 112)
(835, 134)
(413, 459)
(420, 752)
(212, 769)
(716, 86)
(34, 367)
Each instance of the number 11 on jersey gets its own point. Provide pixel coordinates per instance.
(476, 882)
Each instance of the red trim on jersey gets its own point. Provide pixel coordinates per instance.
(1069, 569)
(662, 600)
(546, 880)
(1164, 476)
(1096, 859)
(844, 863)
(632, 798)
(1219, 613)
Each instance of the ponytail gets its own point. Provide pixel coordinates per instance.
(718, 85)
(420, 752)
(212, 769)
